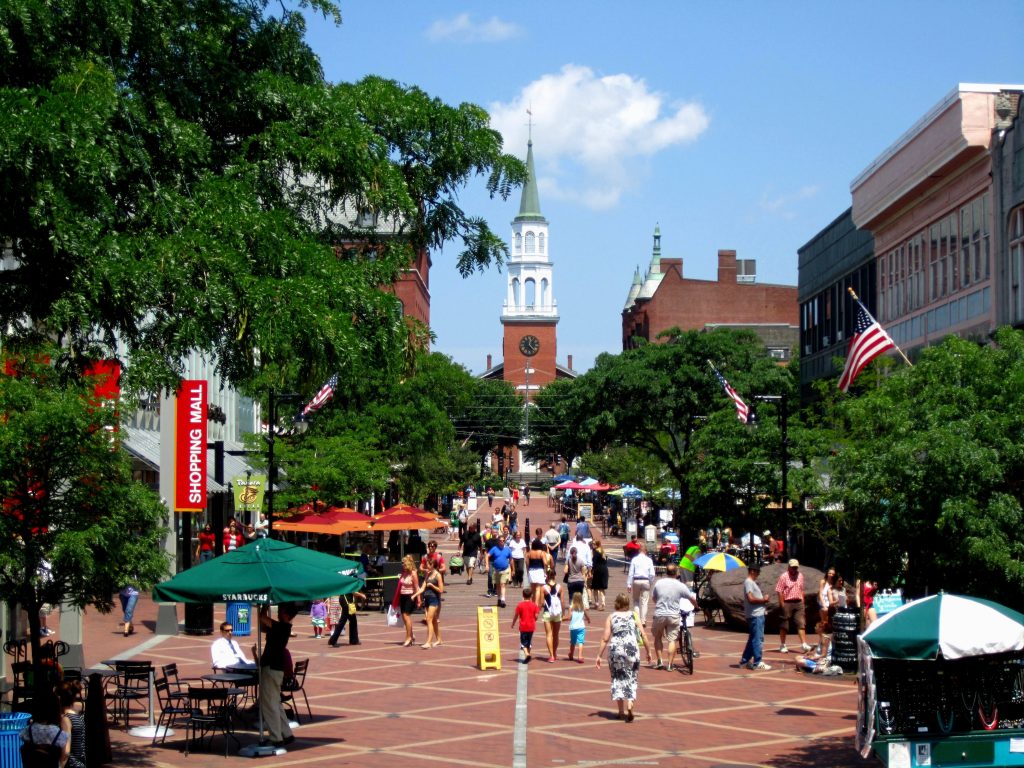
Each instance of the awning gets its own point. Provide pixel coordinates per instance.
(144, 445)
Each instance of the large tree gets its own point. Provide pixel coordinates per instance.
(425, 432)
(925, 484)
(664, 399)
(75, 525)
(179, 177)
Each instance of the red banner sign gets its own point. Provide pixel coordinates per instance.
(190, 446)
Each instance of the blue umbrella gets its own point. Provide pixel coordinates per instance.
(562, 478)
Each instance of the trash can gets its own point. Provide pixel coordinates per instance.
(844, 638)
(239, 616)
(11, 725)
(198, 618)
(389, 583)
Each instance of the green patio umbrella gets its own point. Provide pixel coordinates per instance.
(265, 571)
(953, 626)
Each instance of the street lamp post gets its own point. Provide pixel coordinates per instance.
(273, 401)
(783, 416)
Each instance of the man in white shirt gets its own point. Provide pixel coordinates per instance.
(638, 582)
(226, 652)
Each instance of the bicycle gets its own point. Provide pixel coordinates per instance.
(685, 642)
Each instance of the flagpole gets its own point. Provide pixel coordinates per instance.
(894, 344)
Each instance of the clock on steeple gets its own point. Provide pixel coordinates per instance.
(530, 312)
(529, 345)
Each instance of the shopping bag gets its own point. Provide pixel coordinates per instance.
(392, 616)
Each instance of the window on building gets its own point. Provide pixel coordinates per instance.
(530, 292)
(746, 270)
(515, 292)
(540, 243)
(1015, 239)
(531, 242)
(366, 219)
(544, 298)
(518, 242)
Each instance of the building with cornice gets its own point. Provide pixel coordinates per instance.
(664, 298)
(928, 200)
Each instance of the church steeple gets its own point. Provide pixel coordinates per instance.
(529, 205)
(530, 290)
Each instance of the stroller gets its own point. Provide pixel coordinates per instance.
(456, 564)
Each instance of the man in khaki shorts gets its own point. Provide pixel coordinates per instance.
(790, 588)
(668, 591)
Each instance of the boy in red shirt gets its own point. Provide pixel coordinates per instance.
(526, 612)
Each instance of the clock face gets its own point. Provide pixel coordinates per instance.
(529, 345)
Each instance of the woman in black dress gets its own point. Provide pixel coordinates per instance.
(599, 574)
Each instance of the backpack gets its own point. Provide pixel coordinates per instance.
(463, 517)
(36, 755)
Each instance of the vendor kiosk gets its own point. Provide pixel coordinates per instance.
(941, 683)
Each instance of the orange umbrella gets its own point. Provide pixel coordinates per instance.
(406, 509)
(406, 521)
(336, 520)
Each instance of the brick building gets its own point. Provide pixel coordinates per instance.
(529, 315)
(663, 298)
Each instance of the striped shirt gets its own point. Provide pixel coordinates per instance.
(790, 589)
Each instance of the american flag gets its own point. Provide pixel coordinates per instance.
(326, 393)
(868, 342)
(742, 411)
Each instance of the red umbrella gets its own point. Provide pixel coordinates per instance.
(572, 485)
(336, 520)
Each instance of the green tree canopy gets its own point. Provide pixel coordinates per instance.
(75, 525)
(664, 400)
(925, 486)
(179, 177)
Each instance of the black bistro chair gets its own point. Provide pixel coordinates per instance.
(211, 712)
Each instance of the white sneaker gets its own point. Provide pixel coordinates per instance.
(805, 647)
(761, 666)
(783, 649)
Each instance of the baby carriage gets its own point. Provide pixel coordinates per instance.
(456, 564)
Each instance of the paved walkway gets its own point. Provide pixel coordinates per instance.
(379, 704)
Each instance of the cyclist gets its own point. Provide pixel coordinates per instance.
(667, 593)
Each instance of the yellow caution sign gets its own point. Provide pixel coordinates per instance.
(488, 647)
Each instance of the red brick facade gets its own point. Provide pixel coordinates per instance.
(413, 289)
(695, 304)
(542, 364)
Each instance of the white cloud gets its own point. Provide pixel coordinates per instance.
(464, 29)
(593, 133)
(781, 205)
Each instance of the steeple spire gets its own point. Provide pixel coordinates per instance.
(529, 206)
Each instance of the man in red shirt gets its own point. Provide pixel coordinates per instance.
(632, 548)
(435, 556)
(790, 588)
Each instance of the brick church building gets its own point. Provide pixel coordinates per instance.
(529, 315)
(663, 298)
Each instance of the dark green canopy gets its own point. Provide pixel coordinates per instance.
(265, 571)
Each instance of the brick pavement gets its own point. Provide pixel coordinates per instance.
(379, 704)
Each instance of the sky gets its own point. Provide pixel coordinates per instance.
(730, 125)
